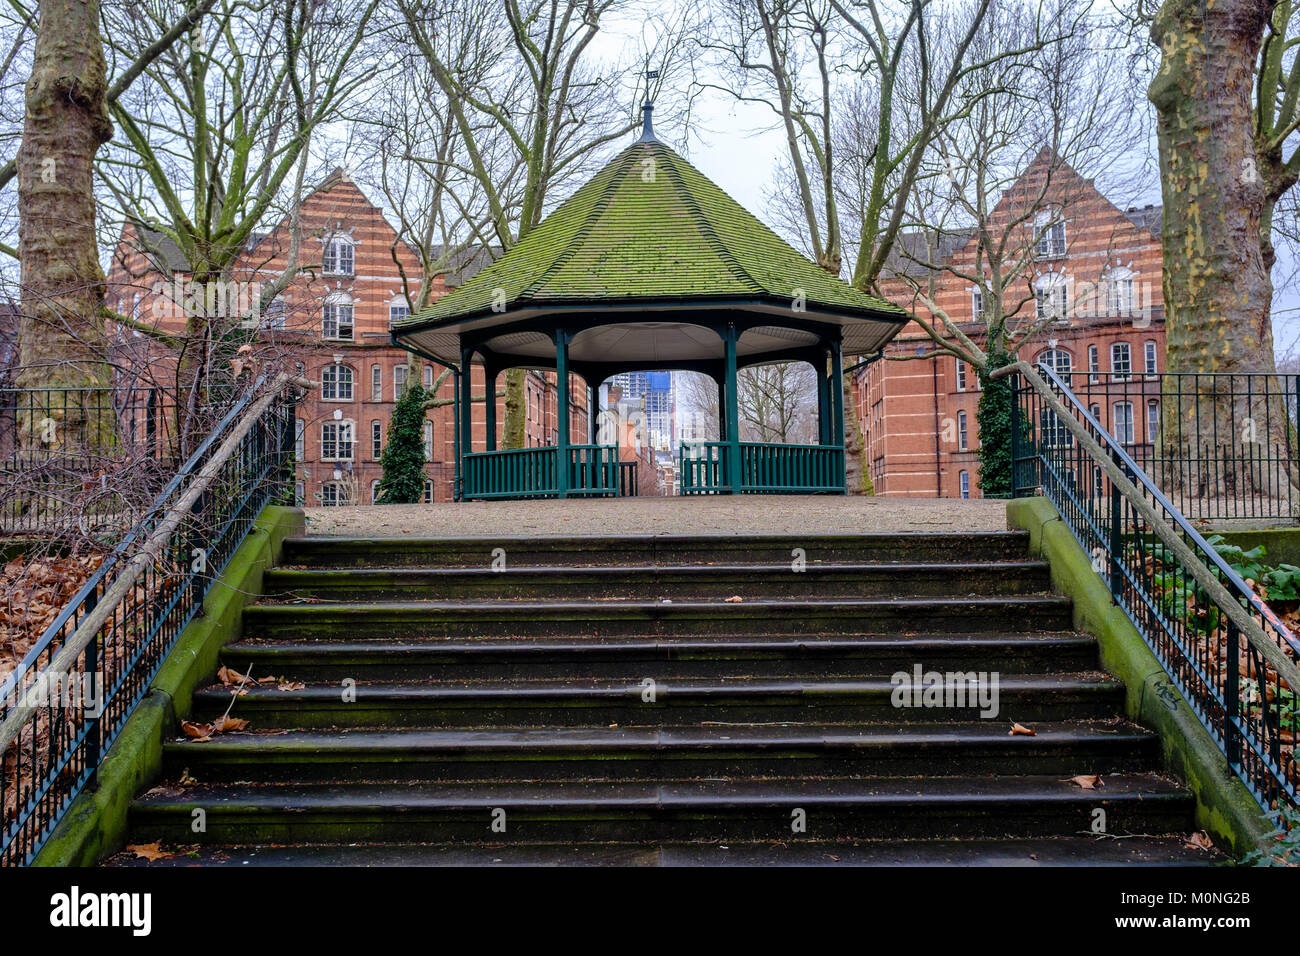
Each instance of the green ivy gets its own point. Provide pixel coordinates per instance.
(994, 417)
(403, 460)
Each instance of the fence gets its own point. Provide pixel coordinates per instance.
(82, 458)
(1226, 651)
(71, 694)
(1222, 446)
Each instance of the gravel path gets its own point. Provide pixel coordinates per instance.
(771, 514)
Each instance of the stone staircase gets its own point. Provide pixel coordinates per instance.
(663, 700)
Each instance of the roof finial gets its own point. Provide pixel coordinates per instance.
(647, 126)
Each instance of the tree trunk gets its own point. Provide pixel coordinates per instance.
(61, 336)
(1217, 288)
(856, 477)
(512, 432)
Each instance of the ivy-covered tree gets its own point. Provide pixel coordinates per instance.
(403, 460)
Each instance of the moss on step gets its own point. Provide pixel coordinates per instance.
(1224, 807)
(95, 825)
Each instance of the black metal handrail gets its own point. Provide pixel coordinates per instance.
(72, 693)
(1230, 655)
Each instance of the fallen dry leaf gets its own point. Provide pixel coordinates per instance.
(735, 599)
(1020, 730)
(292, 685)
(1087, 782)
(1199, 841)
(149, 851)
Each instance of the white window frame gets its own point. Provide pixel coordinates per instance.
(339, 256)
(338, 440)
(428, 376)
(1122, 429)
(428, 440)
(1094, 364)
(300, 439)
(338, 319)
(961, 375)
(399, 380)
(344, 383)
(376, 383)
(1055, 356)
(1153, 420)
(963, 482)
(376, 440)
(1049, 231)
(426, 495)
(1052, 298)
(963, 436)
(399, 308)
(1119, 291)
(977, 303)
(331, 494)
(1117, 349)
(1151, 358)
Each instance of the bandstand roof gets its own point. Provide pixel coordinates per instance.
(642, 264)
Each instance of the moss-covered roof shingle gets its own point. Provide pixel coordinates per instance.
(649, 226)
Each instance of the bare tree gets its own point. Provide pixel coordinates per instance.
(527, 70)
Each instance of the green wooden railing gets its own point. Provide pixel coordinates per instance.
(765, 468)
(532, 472)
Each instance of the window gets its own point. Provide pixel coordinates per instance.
(963, 478)
(299, 439)
(977, 303)
(1058, 360)
(331, 496)
(1153, 421)
(1055, 434)
(275, 313)
(1094, 364)
(376, 383)
(1149, 357)
(376, 440)
(428, 440)
(336, 319)
(399, 381)
(1050, 228)
(398, 310)
(1119, 291)
(1121, 360)
(1123, 419)
(340, 256)
(1095, 411)
(336, 383)
(428, 491)
(428, 376)
(962, 436)
(961, 375)
(374, 492)
(299, 492)
(1050, 297)
(336, 441)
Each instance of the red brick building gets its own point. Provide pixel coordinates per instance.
(1095, 283)
(332, 319)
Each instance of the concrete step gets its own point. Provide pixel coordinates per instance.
(598, 703)
(771, 656)
(410, 620)
(652, 753)
(880, 808)
(595, 550)
(1077, 851)
(650, 582)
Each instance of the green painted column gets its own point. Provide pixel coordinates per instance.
(593, 415)
(823, 404)
(837, 402)
(732, 414)
(467, 402)
(464, 404)
(562, 412)
(722, 413)
(490, 405)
